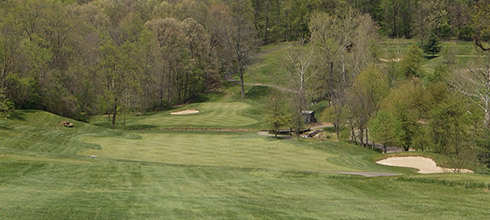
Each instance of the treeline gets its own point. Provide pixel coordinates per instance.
(280, 20)
(391, 101)
(78, 58)
(87, 57)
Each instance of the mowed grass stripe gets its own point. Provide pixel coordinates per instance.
(121, 190)
(211, 115)
(216, 150)
(217, 114)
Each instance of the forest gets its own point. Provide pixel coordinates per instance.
(83, 58)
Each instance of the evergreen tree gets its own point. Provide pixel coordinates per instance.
(433, 45)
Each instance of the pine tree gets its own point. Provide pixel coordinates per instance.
(433, 45)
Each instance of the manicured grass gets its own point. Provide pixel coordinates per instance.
(268, 65)
(245, 150)
(37, 131)
(111, 189)
(146, 172)
(210, 175)
(226, 111)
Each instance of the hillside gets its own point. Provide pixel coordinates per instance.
(48, 173)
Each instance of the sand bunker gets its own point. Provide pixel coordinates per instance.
(395, 60)
(423, 164)
(186, 112)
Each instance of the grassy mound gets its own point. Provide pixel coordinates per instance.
(30, 131)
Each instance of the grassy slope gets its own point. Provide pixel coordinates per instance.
(41, 132)
(108, 189)
(221, 109)
(213, 175)
(268, 64)
(463, 52)
(153, 174)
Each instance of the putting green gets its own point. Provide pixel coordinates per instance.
(213, 114)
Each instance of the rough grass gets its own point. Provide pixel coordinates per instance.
(460, 53)
(268, 65)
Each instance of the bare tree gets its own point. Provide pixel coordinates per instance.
(475, 84)
(299, 66)
(343, 44)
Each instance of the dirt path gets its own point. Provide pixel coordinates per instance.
(369, 174)
(321, 126)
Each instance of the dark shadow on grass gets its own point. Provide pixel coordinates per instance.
(199, 99)
(103, 124)
(17, 115)
(127, 127)
(139, 127)
(430, 57)
(4, 128)
(257, 92)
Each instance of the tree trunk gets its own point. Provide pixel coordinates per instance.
(384, 148)
(266, 30)
(241, 83)
(487, 106)
(353, 134)
(114, 114)
(169, 91)
(395, 14)
(367, 140)
(337, 130)
(161, 91)
(109, 113)
(276, 129)
(362, 136)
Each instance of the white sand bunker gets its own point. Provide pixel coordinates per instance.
(186, 112)
(394, 60)
(423, 164)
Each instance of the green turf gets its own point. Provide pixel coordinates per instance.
(210, 175)
(463, 53)
(112, 189)
(222, 109)
(268, 65)
(147, 172)
(245, 150)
